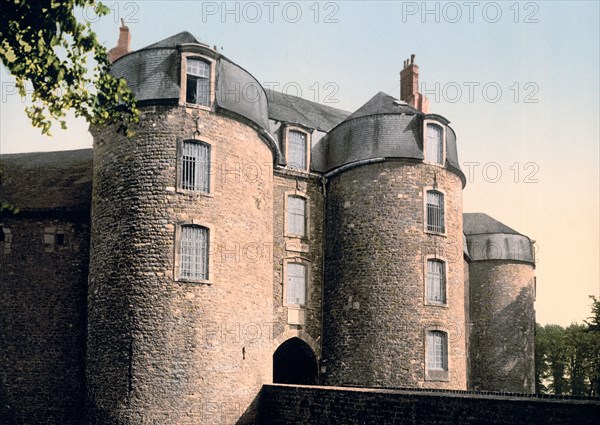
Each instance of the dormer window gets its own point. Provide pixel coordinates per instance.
(197, 89)
(297, 150)
(434, 144)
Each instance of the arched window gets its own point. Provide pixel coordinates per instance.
(195, 167)
(197, 89)
(434, 148)
(193, 252)
(435, 212)
(296, 216)
(437, 351)
(436, 282)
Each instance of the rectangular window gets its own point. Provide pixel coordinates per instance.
(297, 150)
(198, 82)
(434, 150)
(196, 167)
(194, 252)
(437, 351)
(436, 281)
(296, 215)
(435, 212)
(296, 283)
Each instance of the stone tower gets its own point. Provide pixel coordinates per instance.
(175, 335)
(394, 310)
(502, 292)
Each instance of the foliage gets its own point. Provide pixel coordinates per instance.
(41, 42)
(567, 360)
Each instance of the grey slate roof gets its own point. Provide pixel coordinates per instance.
(47, 180)
(174, 41)
(293, 109)
(480, 223)
(383, 127)
(488, 239)
(383, 103)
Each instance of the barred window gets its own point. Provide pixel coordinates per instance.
(297, 150)
(194, 252)
(296, 283)
(296, 215)
(196, 166)
(437, 350)
(436, 281)
(198, 82)
(434, 150)
(435, 211)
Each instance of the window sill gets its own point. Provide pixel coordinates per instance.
(299, 238)
(197, 106)
(434, 304)
(195, 193)
(431, 232)
(434, 163)
(437, 375)
(194, 281)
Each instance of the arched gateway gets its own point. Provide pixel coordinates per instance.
(295, 363)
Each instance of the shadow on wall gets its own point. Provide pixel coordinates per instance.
(6, 414)
(251, 415)
(502, 348)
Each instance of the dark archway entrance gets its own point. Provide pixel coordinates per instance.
(295, 363)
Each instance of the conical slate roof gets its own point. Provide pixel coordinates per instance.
(383, 103)
(480, 223)
(173, 41)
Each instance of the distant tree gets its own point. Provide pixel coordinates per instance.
(556, 358)
(41, 42)
(593, 321)
(593, 329)
(577, 353)
(542, 369)
(567, 361)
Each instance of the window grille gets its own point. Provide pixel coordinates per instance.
(194, 252)
(436, 281)
(437, 350)
(296, 283)
(297, 150)
(435, 149)
(296, 215)
(435, 212)
(198, 82)
(196, 166)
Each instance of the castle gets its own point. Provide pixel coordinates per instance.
(242, 237)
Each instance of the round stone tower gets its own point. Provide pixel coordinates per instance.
(180, 288)
(502, 292)
(394, 309)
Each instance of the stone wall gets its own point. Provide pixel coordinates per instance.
(160, 349)
(308, 250)
(283, 404)
(503, 325)
(43, 286)
(376, 248)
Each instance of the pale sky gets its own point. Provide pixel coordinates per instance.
(518, 81)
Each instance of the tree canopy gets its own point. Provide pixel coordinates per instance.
(42, 42)
(567, 360)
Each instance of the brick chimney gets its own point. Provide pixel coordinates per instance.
(123, 45)
(409, 86)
